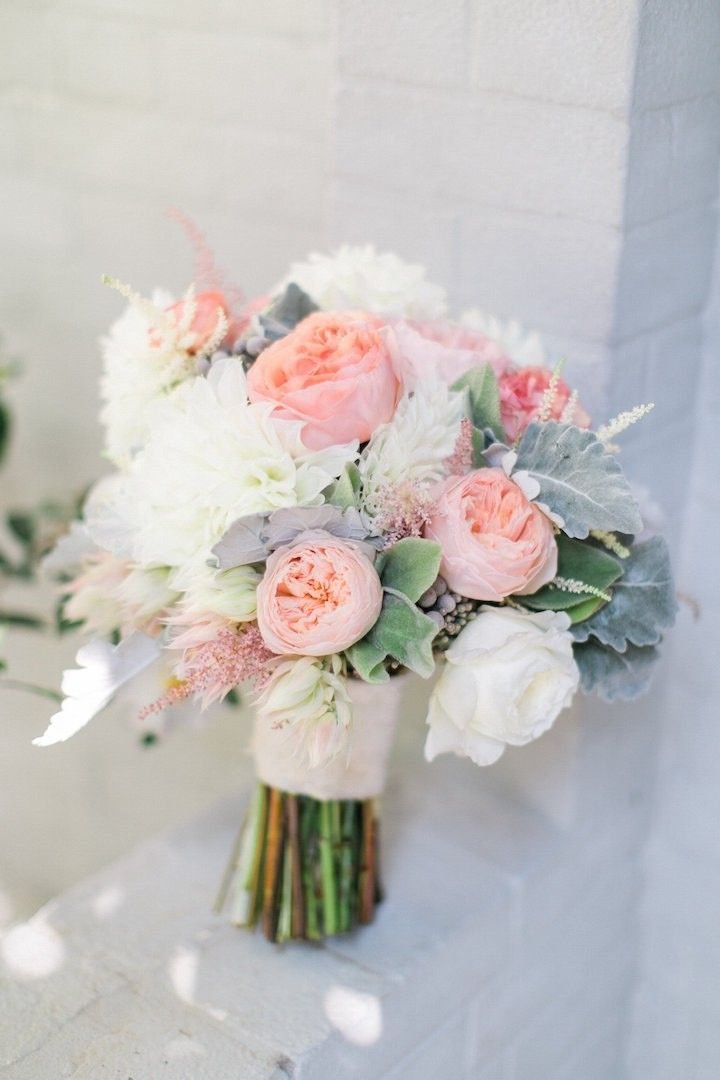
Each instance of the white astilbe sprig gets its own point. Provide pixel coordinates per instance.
(154, 314)
(413, 448)
(611, 542)
(568, 413)
(622, 422)
(574, 585)
(548, 399)
(216, 338)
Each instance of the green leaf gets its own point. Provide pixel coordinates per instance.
(580, 562)
(63, 625)
(578, 479)
(368, 660)
(613, 675)
(22, 526)
(484, 398)
(643, 602)
(344, 491)
(405, 633)
(579, 612)
(410, 566)
(4, 429)
(479, 443)
(20, 618)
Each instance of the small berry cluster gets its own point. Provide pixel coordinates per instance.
(451, 611)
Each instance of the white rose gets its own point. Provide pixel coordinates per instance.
(507, 677)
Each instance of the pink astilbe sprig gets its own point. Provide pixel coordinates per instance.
(461, 459)
(209, 671)
(402, 510)
(208, 275)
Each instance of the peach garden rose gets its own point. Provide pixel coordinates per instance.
(333, 372)
(495, 542)
(318, 596)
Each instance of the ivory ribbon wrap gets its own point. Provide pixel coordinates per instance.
(358, 773)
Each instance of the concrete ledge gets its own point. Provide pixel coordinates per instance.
(498, 925)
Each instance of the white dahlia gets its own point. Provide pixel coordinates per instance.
(360, 277)
(134, 376)
(212, 458)
(526, 349)
(413, 448)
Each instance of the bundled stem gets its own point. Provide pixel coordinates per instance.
(302, 867)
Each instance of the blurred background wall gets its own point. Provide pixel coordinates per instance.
(553, 160)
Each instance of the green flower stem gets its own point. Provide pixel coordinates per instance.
(348, 866)
(284, 930)
(330, 913)
(304, 867)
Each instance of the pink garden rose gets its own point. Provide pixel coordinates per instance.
(521, 394)
(334, 372)
(439, 350)
(318, 596)
(495, 542)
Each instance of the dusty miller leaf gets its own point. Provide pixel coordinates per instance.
(578, 478)
(643, 603)
(615, 676)
(103, 670)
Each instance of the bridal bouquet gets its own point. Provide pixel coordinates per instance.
(319, 492)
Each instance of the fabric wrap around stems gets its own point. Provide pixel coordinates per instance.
(358, 772)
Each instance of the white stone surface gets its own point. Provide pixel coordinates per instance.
(129, 974)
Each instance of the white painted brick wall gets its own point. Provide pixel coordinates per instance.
(676, 1030)
(556, 162)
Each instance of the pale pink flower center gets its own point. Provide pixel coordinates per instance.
(310, 591)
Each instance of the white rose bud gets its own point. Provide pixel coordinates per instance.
(507, 677)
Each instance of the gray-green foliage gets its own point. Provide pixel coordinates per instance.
(286, 312)
(614, 675)
(403, 632)
(345, 491)
(410, 566)
(578, 478)
(643, 603)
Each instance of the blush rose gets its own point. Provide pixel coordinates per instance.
(495, 542)
(333, 372)
(318, 596)
(521, 396)
(423, 351)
